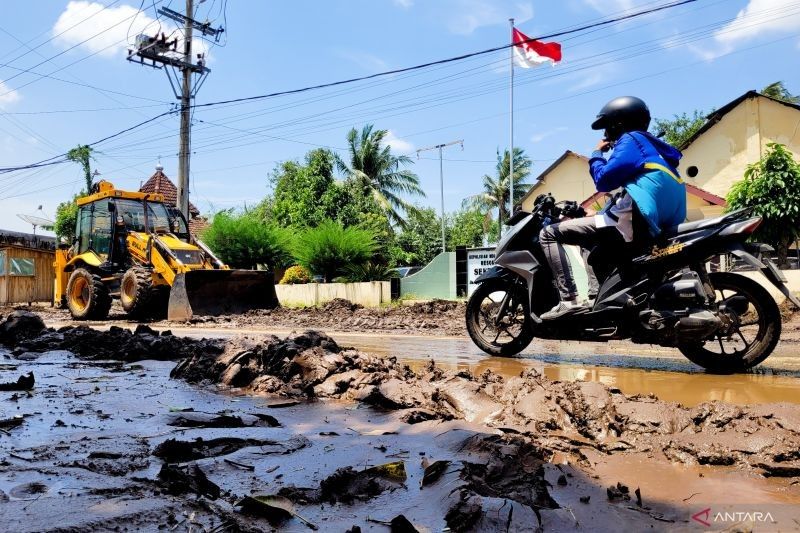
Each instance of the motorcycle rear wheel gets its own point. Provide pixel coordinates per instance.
(505, 335)
(749, 342)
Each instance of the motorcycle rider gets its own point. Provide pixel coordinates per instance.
(653, 195)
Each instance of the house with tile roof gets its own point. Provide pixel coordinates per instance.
(160, 183)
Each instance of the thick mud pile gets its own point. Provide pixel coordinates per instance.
(560, 415)
(25, 332)
(448, 448)
(437, 316)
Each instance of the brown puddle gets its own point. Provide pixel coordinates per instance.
(687, 389)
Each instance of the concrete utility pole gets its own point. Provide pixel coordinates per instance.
(441, 176)
(159, 53)
(186, 126)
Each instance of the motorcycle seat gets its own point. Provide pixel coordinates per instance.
(686, 227)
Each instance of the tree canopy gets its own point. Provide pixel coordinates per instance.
(678, 129)
(771, 187)
(496, 191)
(779, 91)
(372, 167)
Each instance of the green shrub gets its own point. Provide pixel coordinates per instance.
(243, 241)
(369, 271)
(330, 248)
(295, 274)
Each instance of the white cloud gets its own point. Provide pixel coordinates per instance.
(366, 61)
(8, 95)
(610, 6)
(111, 31)
(465, 16)
(398, 145)
(405, 4)
(758, 18)
(589, 79)
(539, 137)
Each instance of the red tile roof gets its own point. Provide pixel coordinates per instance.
(160, 183)
(197, 225)
(601, 197)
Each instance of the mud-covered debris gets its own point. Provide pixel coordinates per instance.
(347, 485)
(779, 470)
(180, 480)
(340, 304)
(19, 326)
(585, 499)
(25, 382)
(434, 471)
(117, 344)
(465, 513)
(28, 490)
(104, 455)
(638, 493)
(181, 451)
(268, 420)
(190, 419)
(14, 421)
(617, 492)
(311, 365)
(401, 524)
(276, 509)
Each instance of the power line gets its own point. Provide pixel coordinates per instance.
(448, 60)
(59, 159)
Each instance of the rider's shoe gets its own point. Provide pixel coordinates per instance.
(563, 308)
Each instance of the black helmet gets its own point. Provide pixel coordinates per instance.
(621, 115)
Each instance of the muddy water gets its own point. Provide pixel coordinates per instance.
(688, 386)
(643, 370)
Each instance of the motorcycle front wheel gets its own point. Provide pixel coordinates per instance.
(498, 318)
(751, 337)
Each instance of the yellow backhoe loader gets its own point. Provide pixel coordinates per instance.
(137, 247)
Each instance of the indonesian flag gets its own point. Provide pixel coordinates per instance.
(531, 53)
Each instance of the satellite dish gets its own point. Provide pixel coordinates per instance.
(36, 221)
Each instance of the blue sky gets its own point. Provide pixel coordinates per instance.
(696, 56)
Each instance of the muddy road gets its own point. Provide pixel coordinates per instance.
(249, 434)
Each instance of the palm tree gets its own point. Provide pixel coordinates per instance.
(778, 91)
(377, 171)
(496, 192)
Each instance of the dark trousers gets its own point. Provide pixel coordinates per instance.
(581, 232)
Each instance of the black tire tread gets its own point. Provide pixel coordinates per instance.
(99, 297)
(143, 305)
(506, 350)
(760, 349)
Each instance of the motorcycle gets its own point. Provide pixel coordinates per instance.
(661, 293)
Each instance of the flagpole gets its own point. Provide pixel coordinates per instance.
(511, 126)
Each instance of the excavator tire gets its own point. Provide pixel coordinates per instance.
(137, 294)
(87, 296)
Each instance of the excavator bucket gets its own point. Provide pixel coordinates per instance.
(220, 292)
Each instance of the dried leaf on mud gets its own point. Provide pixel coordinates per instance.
(276, 509)
(434, 471)
(25, 382)
(395, 471)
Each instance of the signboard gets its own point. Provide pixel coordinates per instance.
(479, 260)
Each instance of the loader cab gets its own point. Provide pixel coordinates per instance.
(94, 228)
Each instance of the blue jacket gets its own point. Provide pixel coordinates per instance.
(645, 166)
